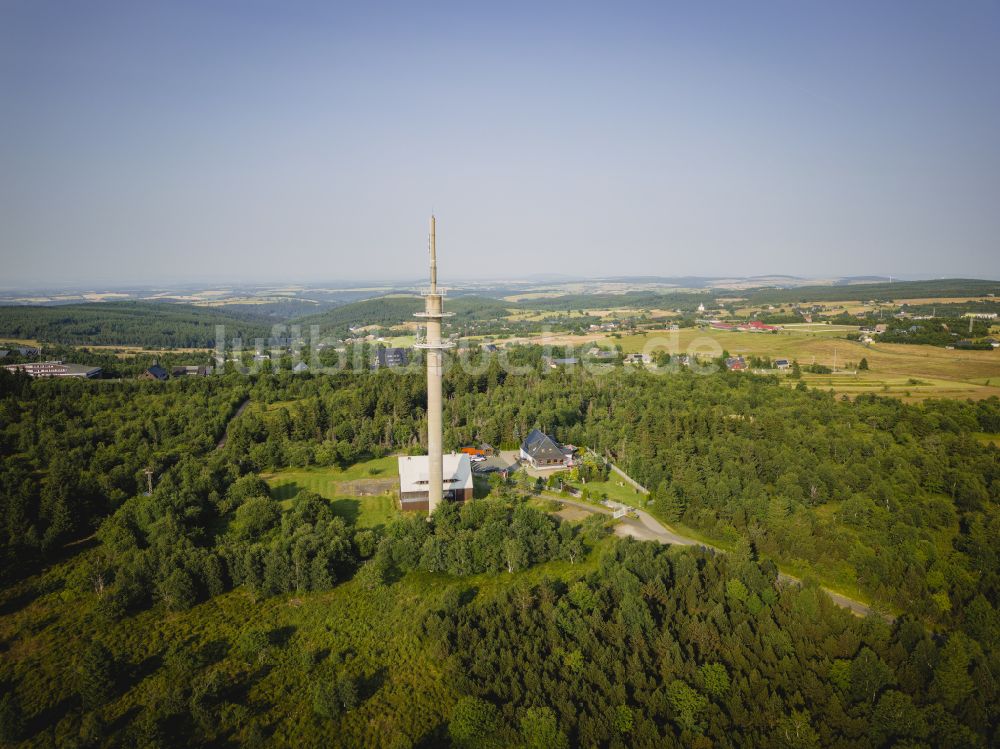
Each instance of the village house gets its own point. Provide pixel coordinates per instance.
(565, 362)
(155, 372)
(390, 357)
(541, 451)
(191, 371)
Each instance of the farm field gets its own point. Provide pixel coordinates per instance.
(942, 373)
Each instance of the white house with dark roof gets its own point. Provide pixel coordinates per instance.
(541, 451)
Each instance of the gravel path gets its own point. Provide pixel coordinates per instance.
(647, 528)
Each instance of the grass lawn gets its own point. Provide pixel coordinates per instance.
(367, 512)
(615, 489)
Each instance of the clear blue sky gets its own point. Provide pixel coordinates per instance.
(267, 140)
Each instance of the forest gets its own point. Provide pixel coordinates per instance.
(124, 616)
(155, 324)
(387, 311)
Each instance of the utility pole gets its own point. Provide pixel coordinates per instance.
(149, 481)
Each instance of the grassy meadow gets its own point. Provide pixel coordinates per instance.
(367, 512)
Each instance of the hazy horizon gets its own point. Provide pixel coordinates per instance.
(246, 143)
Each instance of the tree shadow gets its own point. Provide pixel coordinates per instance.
(50, 716)
(123, 720)
(21, 600)
(214, 651)
(139, 672)
(435, 738)
(287, 491)
(468, 595)
(280, 636)
(369, 685)
(347, 509)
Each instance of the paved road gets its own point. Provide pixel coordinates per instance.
(225, 432)
(647, 528)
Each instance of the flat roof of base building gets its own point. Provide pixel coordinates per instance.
(55, 369)
(456, 471)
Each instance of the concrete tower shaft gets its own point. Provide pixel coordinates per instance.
(433, 313)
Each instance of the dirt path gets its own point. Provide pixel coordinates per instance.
(647, 528)
(225, 432)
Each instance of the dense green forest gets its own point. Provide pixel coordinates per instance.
(210, 612)
(654, 649)
(154, 324)
(73, 451)
(387, 311)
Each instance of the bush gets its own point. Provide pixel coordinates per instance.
(474, 723)
(326, 703)
(254, 517)
(96, 675)
(252, 645)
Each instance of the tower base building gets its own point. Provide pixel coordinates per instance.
(414, 480)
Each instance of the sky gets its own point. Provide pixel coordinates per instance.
(267, 141)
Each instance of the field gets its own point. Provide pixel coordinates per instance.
(940, 372)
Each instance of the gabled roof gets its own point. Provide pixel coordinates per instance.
(540, 446)
(158, 372)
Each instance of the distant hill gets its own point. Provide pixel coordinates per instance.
(632, 300)
(152, 324)
(393, 310)
(944, 287)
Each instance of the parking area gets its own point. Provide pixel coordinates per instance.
(503, 460)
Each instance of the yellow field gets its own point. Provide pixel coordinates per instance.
(123, 352)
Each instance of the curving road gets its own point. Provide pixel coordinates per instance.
(647, 528)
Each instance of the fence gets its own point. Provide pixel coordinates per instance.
(619, 472)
